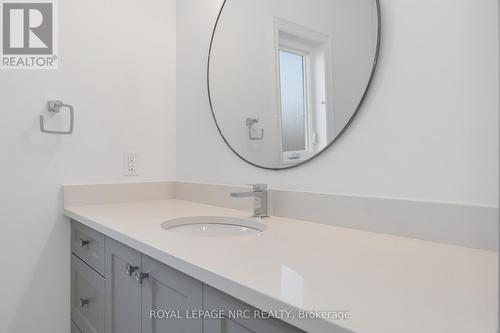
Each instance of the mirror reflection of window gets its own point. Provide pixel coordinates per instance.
(303, 56)
(293, 101)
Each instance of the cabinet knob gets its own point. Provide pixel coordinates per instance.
(83, 302)
(131, 269)
(141, 276)
(84, 242)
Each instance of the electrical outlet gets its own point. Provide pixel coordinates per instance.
(130, 164)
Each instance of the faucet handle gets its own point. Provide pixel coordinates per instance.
(258, 187)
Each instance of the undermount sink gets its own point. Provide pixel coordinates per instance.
(214, 226)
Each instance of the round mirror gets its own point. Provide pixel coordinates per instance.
(287, 77)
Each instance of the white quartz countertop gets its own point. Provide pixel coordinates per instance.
(388, 284)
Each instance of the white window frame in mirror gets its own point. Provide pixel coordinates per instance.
(294, 38)
(289, 156)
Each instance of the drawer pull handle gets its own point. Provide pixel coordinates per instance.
(83, 302)
(141, 276)
(131, 269)
(84, 242)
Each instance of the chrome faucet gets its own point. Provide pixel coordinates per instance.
(260, 195)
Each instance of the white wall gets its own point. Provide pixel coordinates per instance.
(117, 66)
(428, 130)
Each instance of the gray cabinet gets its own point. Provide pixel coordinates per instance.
(214, 299)
(129, 300)
(123, 291)
(87, 297)
(168, 289)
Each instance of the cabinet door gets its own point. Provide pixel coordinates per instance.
(170, 290)
(215, 300)
(123, 291)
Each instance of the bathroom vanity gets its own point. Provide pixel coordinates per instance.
(126, 265)
(115, 288)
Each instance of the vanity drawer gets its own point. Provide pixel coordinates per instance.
(88, 245)
(87, 297)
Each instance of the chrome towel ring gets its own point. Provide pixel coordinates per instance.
(56, 106)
